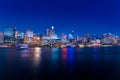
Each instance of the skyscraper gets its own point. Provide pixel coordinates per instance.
(51, 33)
(29, 36)
(9, 34)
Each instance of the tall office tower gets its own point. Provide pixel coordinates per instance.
(52, 30)
(9, 34)
(20, 37)
(52, 33)
(29, 36)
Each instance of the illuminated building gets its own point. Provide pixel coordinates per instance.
(109, 39)
(46, 40)
(84, 39)
(118, 42)
(28, 37)
(51, 33)
(77, 38)
(96, 41)
(64, 37)
(50, 37)
(37, 39)
(16, 34)
(9, 34)
(20, 37)
(1, 37)
(70, 36)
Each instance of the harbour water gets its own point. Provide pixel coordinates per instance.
(60, 63)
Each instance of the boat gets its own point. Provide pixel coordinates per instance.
(22, 46)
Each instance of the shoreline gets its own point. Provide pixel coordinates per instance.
(83, 46)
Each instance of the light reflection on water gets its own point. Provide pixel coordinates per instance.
(64, 55)
(25, 53)
(71, 55)
(54, 59)
(47, 60)
(95, 54)
(54, 54)
(37, 56)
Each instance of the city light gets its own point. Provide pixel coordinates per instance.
(52, 27)
(13, 36)
(38, 38)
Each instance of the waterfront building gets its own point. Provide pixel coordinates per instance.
(83, 40)
(16, 34)
(1, 37)
(51, 33)
(96, 41)
(64, 37)
(37, 39)
(46, 40)
(9, 34)
(50, 37)
(20, 37)
(28, 37)
(118, 41)
(109, 39)
(70, 36)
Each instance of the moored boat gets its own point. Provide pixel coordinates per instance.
(22, 46)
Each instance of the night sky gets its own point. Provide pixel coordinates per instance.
(82, 16)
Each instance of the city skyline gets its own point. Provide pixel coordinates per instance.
(81, 16)
(48, 32)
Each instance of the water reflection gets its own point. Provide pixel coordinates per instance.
(37, 57)
(64, 55)
(70, 54)
(95, 50)
(78, 53)
(54, 54)
(12, 54)
(25, 53)
(54, 58)
(75, 62)
(71, 59)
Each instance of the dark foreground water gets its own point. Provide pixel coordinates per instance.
(60, 64)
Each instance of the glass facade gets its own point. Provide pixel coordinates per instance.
(20, 37)
(9, 35)
(9, 32)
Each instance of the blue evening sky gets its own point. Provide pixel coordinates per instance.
(82, 16)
